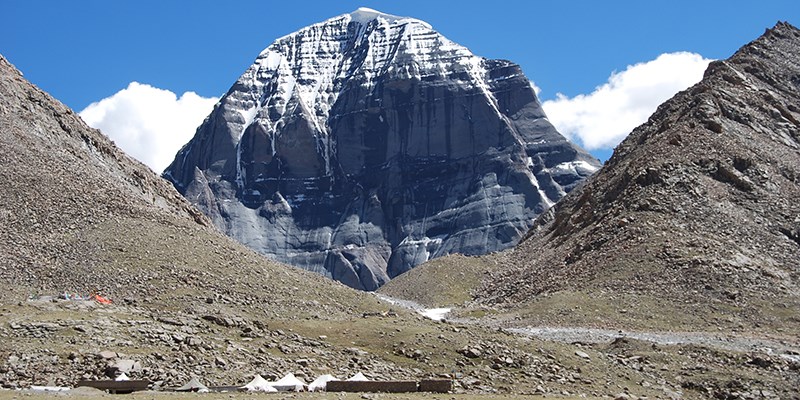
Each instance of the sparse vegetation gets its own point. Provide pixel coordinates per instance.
(446, 281)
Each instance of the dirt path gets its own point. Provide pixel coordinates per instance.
(724, 341)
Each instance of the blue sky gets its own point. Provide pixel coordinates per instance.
(85, 51)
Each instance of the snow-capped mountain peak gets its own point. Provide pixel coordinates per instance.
(363, 145)
(360, 45)
(364, 15)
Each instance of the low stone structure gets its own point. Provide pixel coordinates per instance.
(426, 385)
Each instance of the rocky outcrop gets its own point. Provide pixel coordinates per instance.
(364, 145)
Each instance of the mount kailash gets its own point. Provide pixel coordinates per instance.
(364, 145)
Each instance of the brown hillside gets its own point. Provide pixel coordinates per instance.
(79, 215)
(694, 221)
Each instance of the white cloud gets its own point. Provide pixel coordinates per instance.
(148, 123)
(536, 89)
(602, 119)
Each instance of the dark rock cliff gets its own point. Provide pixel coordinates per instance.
(367, 144)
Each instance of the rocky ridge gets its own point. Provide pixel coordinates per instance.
(366, 144)
(696, 209)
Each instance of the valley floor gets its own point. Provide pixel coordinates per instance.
(55, 343)
(30, 395)
(785, 347)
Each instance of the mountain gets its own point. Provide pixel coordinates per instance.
(79, 215)
(694, 220)
(367, 144)
(187, 301)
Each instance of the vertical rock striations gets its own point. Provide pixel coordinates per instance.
(367, 144)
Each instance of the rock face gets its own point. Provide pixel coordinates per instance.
(364, 145)
(697, 206)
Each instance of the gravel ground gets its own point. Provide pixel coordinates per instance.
(714, 340)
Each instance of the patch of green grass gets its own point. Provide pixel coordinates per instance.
(445, 281)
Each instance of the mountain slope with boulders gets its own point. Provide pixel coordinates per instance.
(78, 214)
(694, 221)
(366, 144)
